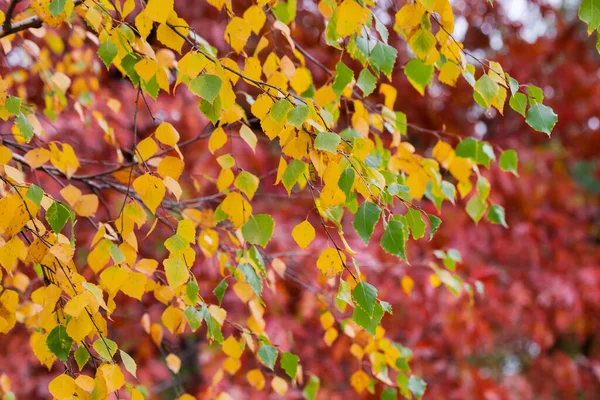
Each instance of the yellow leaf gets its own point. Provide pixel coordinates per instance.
(192, 64)
(279, 386)
(233, 348)
(303, 234)
(256, 379)
(113, 376)
(247, 183)
(76, 305)
(143, 23)
(460, 168)
(248, 136)
(128, 7)
(232, 365)
(11, 252)
(5, 155)
(37, 341)
(417, 183)
(85, 382)
(146, 69)
(350, 18)
(327, 320)
(167, 134)
(208, 241)
(159, 10)
(360, 381)
(176, 271)
(331, 262)
(301, 81)
(237, 33)
(330, 335)
(151, 189)
(173, 186)
(62, 387)
(410, 15)
(434, 280)
(261, 106)
(443, 152)
(170, 166)
(225, 179)
(37, 157)
(79, 328)
(87, 205)
(255, 16)
(172, 319)
(217, 140)
(238, 209)
(167, 36)
(449, 73)
(407, 284)
(173, 363)
(146, 149)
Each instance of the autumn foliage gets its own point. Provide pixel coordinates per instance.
(333, 199)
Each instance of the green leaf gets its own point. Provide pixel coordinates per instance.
(24, 127)
(285, 11)
(369, 324)
(518, 102)
(267, 355)
(389, 394)
(365, 220)
(366, 82)
(212, 111)
(191, 290)
(496, 215)
(253, 279)
(193, 317)
(415, 222)
(289, 363)
(365, 295)
(509, 161)
(396, 188)
(327, 141)
(213, 329)
(116, 254)
(107, 52)
(59, 343)
(298, 115)
(589, 12)
(476, 208)
(344, 293)
(421, 43)
(128, 63)
(394, 239)
(35, 194)
(81, 357)
(383, 58)
(258, 229)
(417, 386)
(346, 181)
(257, 258)
(206, 86)
(535, 94)
(57, 6)
(129, 363)
(541, 118)
(13, 105)
(478, 151)
(219, 291)
(312, 388)
(280, 110)
(487, 88)
(435, 224)
(419, 75)
(292, 173)
(106, 348)
(151, 87)
(343, 76)
(57, 215)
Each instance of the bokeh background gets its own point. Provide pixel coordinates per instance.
(533, 334)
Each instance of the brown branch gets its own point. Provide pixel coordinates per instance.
(31, 22)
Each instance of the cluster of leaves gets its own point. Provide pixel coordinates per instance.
(362, 169)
